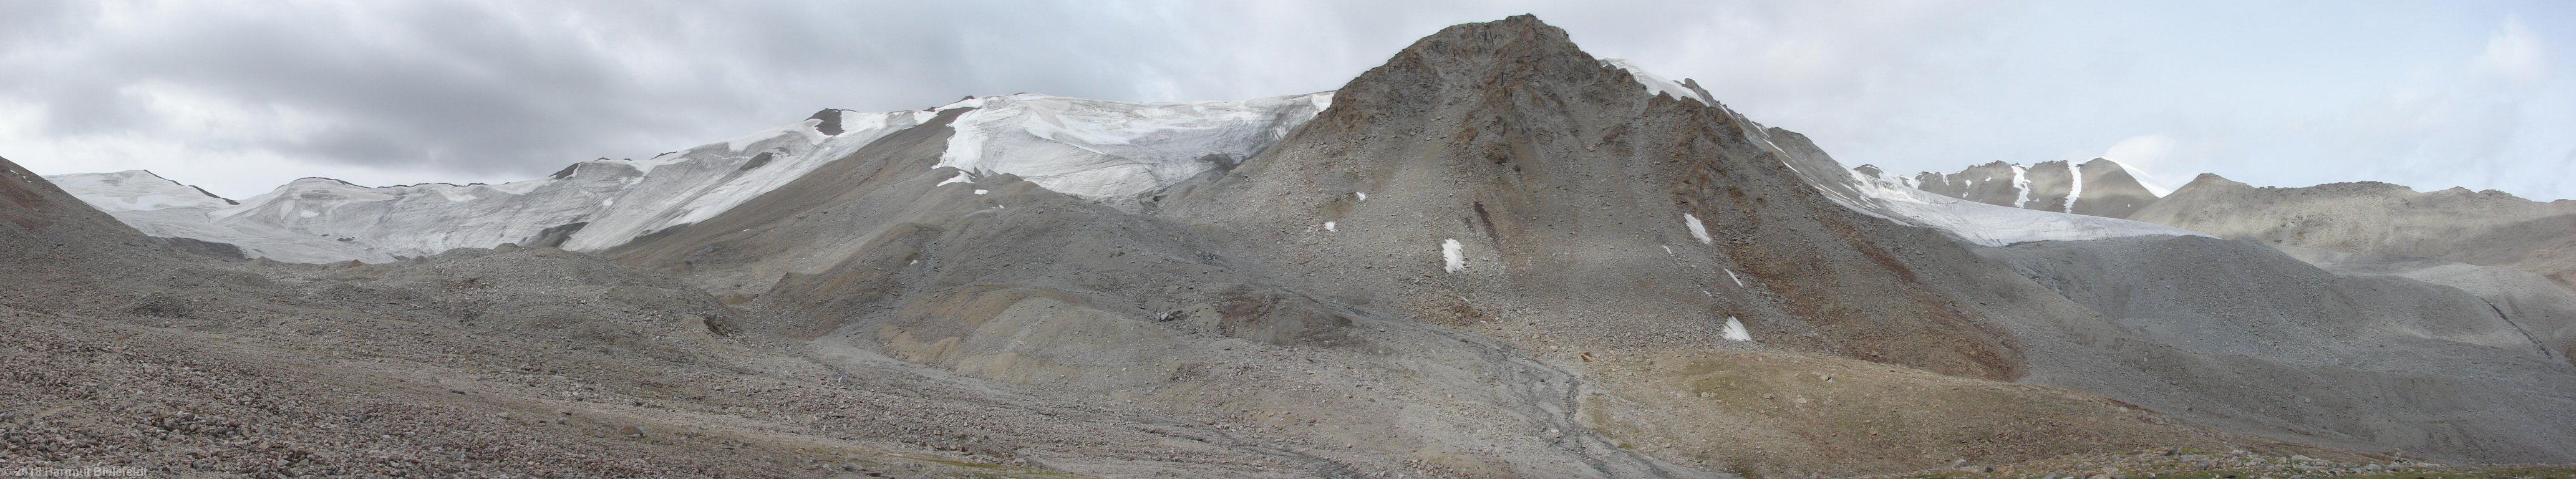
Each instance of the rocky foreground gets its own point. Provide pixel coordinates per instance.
(2237, 464)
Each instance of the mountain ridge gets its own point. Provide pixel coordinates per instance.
(2489, 228)
(2114, 191)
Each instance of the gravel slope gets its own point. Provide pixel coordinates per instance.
(2486, 228)
(2235, 334)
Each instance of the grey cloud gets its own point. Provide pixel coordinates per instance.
(528, 87)
(516, 89)
(448, 86)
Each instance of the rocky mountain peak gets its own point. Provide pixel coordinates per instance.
(2211, 180)
(1492, 155)
(831, 121)
(1468, 62)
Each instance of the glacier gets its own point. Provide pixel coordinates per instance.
(1103, 150)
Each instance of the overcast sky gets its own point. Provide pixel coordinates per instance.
(242, 96)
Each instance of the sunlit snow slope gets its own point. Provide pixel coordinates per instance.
(1113, 151)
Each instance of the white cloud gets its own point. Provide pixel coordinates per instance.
(2142, 154)
(2514, 54)
(2483, 123)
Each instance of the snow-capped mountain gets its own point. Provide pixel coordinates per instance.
(136, 190)
(2099, 187)
(1990, 224)
(1105, 150)
(1870, 191)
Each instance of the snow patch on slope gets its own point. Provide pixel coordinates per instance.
(2075, 186)
(1453, 255)
(1656, 83)
(2021, 183)
(1697, 230)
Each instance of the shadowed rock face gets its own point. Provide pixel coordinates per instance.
(2487, 228)
(2106, 189)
